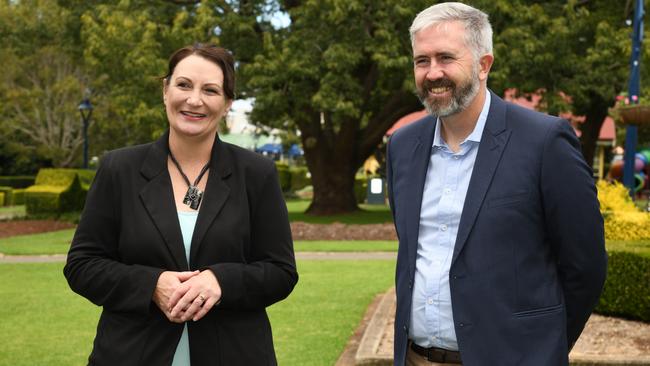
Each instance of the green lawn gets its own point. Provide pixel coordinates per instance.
(368, 214)
(345, 246)
(636, 246)
(12, 211)
(54, 242)
(58, 242)
(44, 323)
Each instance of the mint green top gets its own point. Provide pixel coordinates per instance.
(187, 220)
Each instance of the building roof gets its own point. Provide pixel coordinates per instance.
(607, 130)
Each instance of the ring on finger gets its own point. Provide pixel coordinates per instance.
(201, 298)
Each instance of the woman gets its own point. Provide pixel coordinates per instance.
(185, 241)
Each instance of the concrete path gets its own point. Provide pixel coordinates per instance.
(299, 255)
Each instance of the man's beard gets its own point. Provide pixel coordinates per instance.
(461, 95)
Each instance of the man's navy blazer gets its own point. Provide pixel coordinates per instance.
(129, 234)
(529, 260)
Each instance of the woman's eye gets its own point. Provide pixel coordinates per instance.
(183, 85)
(212, 91)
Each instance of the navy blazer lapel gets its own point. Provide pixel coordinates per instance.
(420, 157)
(493, 141)
(216, 193)
(158, 199)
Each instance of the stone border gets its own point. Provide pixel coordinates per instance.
(369, 345)
(367, 352)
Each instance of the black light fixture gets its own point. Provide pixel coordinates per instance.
(86, 110)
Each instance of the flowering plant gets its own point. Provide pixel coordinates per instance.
(631, 110)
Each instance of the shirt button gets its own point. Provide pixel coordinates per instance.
(443, 227)
(456, 157)
(447, 190)
(430, 301)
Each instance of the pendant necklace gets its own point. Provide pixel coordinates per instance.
(194, 194)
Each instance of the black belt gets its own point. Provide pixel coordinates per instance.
(434, 354)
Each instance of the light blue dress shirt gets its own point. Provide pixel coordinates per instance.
(187, 221)
(445, 188)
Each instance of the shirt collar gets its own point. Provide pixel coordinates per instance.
(476, 134)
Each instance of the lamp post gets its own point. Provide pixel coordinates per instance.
(633, 94)
(86, 110)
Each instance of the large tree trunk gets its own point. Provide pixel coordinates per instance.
(334, 154)
(591, 129)
(332, 161)
(333, 189)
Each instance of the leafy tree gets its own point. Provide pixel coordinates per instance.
(342, 74)
(578, 49)
(41, 83)
(127, 45)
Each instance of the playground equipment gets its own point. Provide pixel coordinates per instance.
(641, 169)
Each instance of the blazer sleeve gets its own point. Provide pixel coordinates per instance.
(574, 225)
(93, 268)
(271, 274)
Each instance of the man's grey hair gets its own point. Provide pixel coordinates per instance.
(478, 35)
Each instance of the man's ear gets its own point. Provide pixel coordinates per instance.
(485, 64)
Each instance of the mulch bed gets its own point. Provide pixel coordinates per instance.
(26, 227)
(338, 231)
(300, 230)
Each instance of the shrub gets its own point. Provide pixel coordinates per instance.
(284, 175)
(626, 292)
(623, 220)
(6, 195)
(614, 197)
(56, 191)
(360, 188)
(17, 197)
(86, 177)
(20, 181)
(299, 178)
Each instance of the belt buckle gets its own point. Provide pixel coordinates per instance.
(437, 355)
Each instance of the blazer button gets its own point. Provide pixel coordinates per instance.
(405, 329)
(461, 325)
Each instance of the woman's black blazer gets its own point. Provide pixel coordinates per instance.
(129, 234)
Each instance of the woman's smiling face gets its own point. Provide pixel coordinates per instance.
(194, 98)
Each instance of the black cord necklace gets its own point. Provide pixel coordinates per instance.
(194, 194)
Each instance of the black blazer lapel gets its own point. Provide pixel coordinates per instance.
(493, 141)
(420, 155)
(216, 193)
(158, 199)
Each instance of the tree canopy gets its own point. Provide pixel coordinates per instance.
(338, 75)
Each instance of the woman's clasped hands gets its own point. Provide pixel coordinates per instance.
(184, 296)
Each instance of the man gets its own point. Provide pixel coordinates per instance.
(501, 249)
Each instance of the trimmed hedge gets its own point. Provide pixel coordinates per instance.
(86, 177)
(299, 178)
(18, 181)
(284, 176)
(17, 197)
(56, 191)
(6, 195)
(627, 288)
